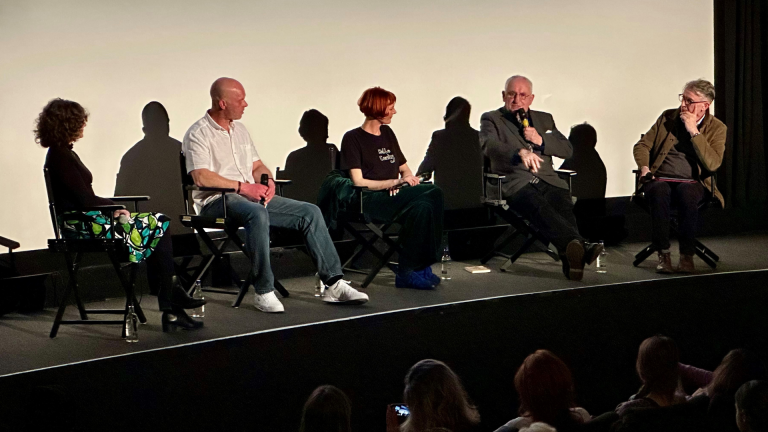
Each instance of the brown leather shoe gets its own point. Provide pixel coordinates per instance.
(665, 263)
(574, 255)
(686, 264)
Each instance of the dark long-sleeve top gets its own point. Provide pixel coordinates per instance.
(71, 180)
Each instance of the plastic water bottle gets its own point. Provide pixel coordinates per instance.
(131, 325)
(445, 264)
(197, 294)
(602, 260)
(319, 291)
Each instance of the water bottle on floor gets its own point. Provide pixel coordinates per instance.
(602, 260)
(319, 291)
(197, 294)
(131, 325)
(445, 264)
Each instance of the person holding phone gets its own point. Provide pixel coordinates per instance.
(59, 126)
(435, 399)
(676, 159)
(371, 156)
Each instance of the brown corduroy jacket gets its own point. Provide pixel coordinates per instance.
(709, 145)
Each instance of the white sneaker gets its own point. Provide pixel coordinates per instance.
(342, 293)
(268, 302)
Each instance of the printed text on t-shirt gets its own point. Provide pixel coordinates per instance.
(385, 155)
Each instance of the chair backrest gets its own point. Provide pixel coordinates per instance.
(51, 203)
(186, 180)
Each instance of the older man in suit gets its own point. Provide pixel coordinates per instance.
(519, 144)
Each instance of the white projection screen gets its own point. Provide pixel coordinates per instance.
(613, 63)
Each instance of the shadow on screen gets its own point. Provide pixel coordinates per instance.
(151, 167)
(308, 166)
(455, 158)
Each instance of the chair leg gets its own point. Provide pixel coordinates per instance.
(243, 291)
(136, 304)
(281, 289)
(644, 254)
(707, 251)
(65, 297)
(382, 262)
(509, 235)
(701, 252)
(528, 242)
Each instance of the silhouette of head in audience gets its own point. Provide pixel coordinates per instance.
(737, 367)
(327, 409)
(538, 427)
(583, 135)
(657, 367)
(457, 112)
(436, 399)
(752, 406)
(313, 127)
(155, 119)
(545, 386)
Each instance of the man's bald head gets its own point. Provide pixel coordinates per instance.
(228, 97)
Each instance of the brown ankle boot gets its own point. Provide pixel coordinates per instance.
(686, 264)
(665, 263)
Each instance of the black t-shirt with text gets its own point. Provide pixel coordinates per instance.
(378, 157)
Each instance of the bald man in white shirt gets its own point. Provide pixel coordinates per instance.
(220, 153)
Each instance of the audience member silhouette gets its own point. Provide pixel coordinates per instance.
(658, 368)
(151, 167)
(752, 407)
(308, 166)
(327, 410)
(545, 386)
(455, 157)
(591, 180)
(437, 400)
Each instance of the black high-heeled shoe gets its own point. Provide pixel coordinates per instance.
(181, 299)
(178, 318)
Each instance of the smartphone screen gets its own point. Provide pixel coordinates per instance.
(402, 412)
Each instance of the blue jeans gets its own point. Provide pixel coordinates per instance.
(281, 213)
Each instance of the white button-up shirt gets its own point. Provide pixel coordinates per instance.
(230, 154)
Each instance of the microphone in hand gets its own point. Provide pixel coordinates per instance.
(265, 182)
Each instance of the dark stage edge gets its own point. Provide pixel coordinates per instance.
(27, 347)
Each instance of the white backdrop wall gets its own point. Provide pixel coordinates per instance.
(613, 63)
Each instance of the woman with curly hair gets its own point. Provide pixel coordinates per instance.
(59, 126)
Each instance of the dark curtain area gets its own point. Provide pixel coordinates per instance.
(740, 67)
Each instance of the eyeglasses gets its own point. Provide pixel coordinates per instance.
(521, 96)
(688, 101)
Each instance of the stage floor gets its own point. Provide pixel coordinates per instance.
(27, 347)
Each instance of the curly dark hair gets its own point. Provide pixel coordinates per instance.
(60, 123)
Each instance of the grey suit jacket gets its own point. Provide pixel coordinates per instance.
(501, 140)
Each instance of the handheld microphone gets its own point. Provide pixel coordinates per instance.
(265, 182)
(523, 117)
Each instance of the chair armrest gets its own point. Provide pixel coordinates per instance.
(209, 189)
(112, 207)
(493, 176)
(10, 244)
(130, 198)
(565, 172)
(282, 182)
(635, 171)
(362, 188)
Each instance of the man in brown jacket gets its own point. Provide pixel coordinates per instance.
(676, 159)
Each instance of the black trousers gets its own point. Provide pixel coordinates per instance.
(160, 271)
(661, 196)
(419, 211)
(550, 209)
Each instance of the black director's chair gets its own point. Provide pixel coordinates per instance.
(518, 225)
(74, 249)
(710, 200)
(217, 247)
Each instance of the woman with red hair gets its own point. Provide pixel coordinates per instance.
(372, 158)
(545, 387)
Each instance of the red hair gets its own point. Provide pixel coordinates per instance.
(374, 102)
(545, 386)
